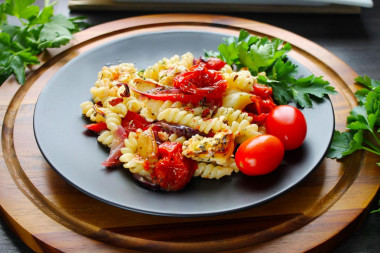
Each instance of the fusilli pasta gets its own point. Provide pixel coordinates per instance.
(242, 80)
(129, 157)
(212, 171)
(202, 122)
(183, 117)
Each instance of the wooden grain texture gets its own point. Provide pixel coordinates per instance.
(52, 216)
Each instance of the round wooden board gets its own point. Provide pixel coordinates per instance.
(50, 215)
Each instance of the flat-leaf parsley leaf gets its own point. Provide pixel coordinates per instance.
(38, 30)
(363, 122)
(261, 54)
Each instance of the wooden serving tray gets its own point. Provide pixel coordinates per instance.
(50, 215)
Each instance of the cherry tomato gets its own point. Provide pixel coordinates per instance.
(259, 155)
(288, 124)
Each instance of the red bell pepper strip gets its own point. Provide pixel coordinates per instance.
(97, 127)
(262, 90)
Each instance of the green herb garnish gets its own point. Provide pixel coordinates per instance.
(363, 123)
(260, 54)
(38, 30)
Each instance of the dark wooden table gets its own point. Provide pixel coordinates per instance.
(355, 38)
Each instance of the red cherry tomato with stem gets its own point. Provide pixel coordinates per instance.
(288, 124)
(259, 155)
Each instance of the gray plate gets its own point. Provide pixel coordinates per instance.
(77, 157)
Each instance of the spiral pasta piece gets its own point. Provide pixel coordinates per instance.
(119, 108)
(242, 80)
(113, 121)
(111, 76)
(183, 117)
(126, 72)
(226, 69)
(175, 67)
(95, 115)
(106, 138)
(130, 160)
(232, 115)
(153, 72)
(175, 138)
(244, 130)
(130, 144)
(122, 108)
(212, 171)
(236, 99)
(132, 104)
(166, 77)
(151, 107)
(86, 108)
(187, 60)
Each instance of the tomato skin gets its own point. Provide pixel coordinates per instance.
(259, 155)
(201, 81)
(133, 121)
(288, 124)
(210, 63)
(173, 171)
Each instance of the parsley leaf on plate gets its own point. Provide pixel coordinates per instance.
(38, 30)
(304, 89)
(261, 54)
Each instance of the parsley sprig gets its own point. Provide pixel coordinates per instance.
(261, 54)
(362, 123)
(38, 30)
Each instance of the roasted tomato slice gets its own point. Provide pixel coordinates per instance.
(210, 63)
(173, 171)
(133, 121)
(198, 86)
(201, 81)
(262, 103)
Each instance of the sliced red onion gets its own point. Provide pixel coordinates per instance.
(146, 183)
